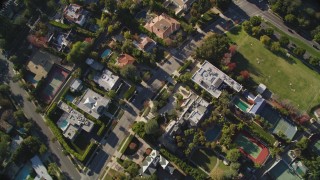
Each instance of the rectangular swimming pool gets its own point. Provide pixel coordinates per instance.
(243, 106)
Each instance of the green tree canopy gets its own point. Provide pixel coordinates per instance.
(152, 126)
(233, 155)
(78, 52)
(213, 47)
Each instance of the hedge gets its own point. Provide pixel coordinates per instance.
(60, 25)
(194, 172)
(185, 66)
(101, 130)
(130, 92)
(52, 109)
(262, 134)
(125, 143)
(55, 52)
(57, 132)
(85, 32)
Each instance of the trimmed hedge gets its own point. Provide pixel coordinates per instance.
(85, 32)
(60, 25)
(129, 93)
(101, 130)
(185, 66)
(125, 143)
(57, 132)
(194, 172)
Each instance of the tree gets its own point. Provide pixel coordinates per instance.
(139, 128)
(235, 166)
(298, 51)
(284, 41)
(151, 126)
(290, 18)
(4, 88)
(233, 155)
(302, 143)
(130, 72)
(265, 40)
(255, 20)
(245, 74)
(78, 52)
(127, 46)
(43, 149)
(4, 146)
(256, 31)
(213, 47)
(315, 61)
(53, 169)
(269, 31)
(247, 26)
(112, 94)
(275, 47)
(27, 149)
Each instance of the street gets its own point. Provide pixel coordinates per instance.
(30, 111)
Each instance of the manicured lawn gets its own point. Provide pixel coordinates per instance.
(205, 158)
(288, 78)
(125, 143)
(113, 173)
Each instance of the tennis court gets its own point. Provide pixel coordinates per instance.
(271, 115)
(252, 148)
(288, 129)
(53, 82)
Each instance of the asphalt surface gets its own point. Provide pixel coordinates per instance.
(29, 109)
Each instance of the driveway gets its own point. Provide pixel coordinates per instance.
(30, 111)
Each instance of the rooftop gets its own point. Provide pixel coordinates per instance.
(93, 103)
(149, 165)
(210, 78)
(259, 103)
(94, 64)
(41, 63)
(162, 25)
(76, 85)
(106, 79)
(195, 111)
(75, 13)
(40, 169)
(145, 43)
(125, 59)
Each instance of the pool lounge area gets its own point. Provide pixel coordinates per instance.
(62, 122)
(213, 133)
(106, 53)
(243, 106)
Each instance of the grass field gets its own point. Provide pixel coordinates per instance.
(207, 160)
(288, 78)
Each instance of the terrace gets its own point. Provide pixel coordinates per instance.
(106, 79)
(211, 78)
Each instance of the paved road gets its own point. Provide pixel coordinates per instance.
(251, 9)
(29, 110)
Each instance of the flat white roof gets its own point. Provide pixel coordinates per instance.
(210, 78)
(106, 79)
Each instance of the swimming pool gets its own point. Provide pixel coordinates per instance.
(69, 97)
(213, 133)
(63, 124)
(24, 172)
(106, 53)
(243, 106)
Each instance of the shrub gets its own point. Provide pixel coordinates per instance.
(60, 25)
(185, 66)
(129, 93)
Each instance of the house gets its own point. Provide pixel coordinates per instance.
(72, 121)
(212, 79)
(195, 111)
(261, 88)
(76, 85)
(75, 13)
(106, 79)
(41, 63)
(60, 41)
(144, 43)
(15, 143)
(94, 64)
(152, 162)
(163, 26)
(93, 103)
(182, 5)
(259, 103)
(118, 38)
(317, 113)
(125, 59)
(5, 126)
(40, 169)
(282, 170)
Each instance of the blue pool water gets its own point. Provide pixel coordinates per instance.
(213, 133)
(69, 97)
(63, 124)
(24, 172)
(106, 53)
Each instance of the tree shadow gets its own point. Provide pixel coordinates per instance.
(18, 98)
(4, 71)
(236, 30)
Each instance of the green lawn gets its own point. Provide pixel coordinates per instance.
(276, 72)
(205, 158)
